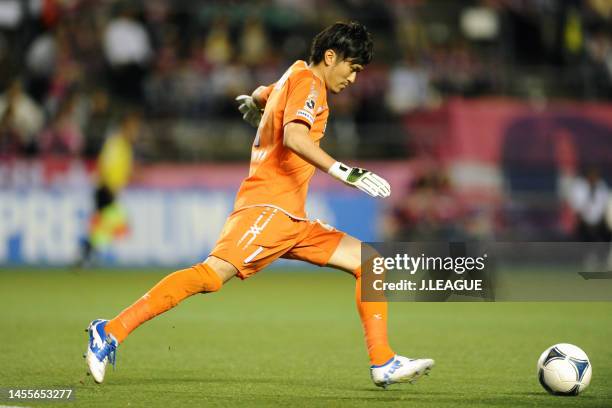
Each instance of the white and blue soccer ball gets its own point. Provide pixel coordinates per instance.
(564, 369)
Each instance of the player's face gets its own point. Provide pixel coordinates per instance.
(342, 74)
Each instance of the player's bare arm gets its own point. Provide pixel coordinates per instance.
(297, 140)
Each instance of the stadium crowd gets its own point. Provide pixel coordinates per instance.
(183, 62)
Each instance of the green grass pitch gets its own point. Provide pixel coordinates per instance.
(286, 339)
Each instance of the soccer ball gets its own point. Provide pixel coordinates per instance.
(564, 369)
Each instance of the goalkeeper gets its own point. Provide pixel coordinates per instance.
(269, 221)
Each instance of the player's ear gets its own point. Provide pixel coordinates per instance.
(330, 57)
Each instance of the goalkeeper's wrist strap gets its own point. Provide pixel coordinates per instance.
(340, 171)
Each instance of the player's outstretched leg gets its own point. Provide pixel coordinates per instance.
(105, 336)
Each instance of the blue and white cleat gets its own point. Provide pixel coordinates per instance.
(400, 370)
(101, 349)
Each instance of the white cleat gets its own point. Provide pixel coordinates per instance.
(400, 370)
(101, 349)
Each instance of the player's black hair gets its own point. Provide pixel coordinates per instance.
(349, 40)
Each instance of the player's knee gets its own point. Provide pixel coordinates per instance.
(369, 257)
(210, 280)
(225, 270)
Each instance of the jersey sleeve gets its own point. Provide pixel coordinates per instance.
(302, 101)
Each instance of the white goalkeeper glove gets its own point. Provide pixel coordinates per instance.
(251, 113)
(362, 179)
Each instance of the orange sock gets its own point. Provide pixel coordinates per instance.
(164, 296)
(374, 321)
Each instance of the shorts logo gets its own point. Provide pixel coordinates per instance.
(256, 229)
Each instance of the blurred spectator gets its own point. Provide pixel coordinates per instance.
(159, 86)
(430, 211)
(599, 57)
(589, 199)
(219, 48)
(66, 75)
(40, 62)
(10, 139)
(227, 81)
(128, 51)
(26, 117)
(342, 125)
(409, 87)
(190, 88)
(253, 42)
(63, 136)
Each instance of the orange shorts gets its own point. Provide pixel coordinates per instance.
(254, 237)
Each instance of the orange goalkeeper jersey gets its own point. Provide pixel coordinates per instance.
(277, 176)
